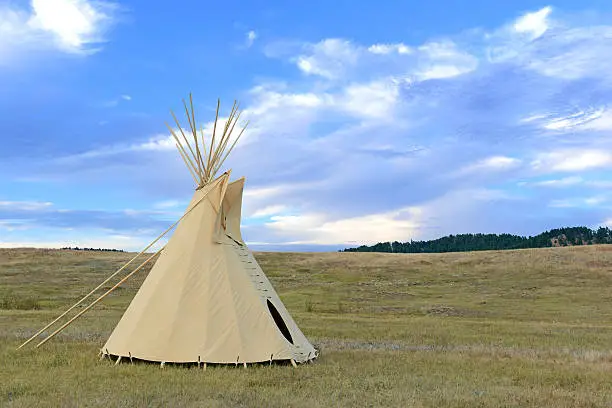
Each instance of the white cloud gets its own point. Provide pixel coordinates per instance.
(376, 99)
(267, 100)
(270, 108)
(399, 48)
(156, 143)
(535, 23)
(71, 26)
(578, 202)
(328, 58)
(440, 72)
(317, 229)
(263, 192)
(534, 118)
(572, 160)
(251, 36)
(24, 205)
(563, 182)
(440, 50)
(262, 202)
(74, 23)
(439, 60)
(500, 162)
(603, 121)
(493, 163)
(268, 211)
(595, 200)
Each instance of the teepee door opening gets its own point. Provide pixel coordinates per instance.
(280, 323)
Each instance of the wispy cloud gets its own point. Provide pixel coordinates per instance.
(24, 205)
(572, 160)
(268, 211)
(251, 36)
(493, 163)
(590, 118)
(558, 183)
(578, 202)
(111, 103)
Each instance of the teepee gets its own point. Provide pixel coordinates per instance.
(206, 299)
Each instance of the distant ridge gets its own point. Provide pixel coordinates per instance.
(568, 236)
(93, 249)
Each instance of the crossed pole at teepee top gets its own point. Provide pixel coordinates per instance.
(204, 160)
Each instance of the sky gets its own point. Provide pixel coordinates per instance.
(378, 122)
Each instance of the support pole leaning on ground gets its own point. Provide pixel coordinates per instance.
(113, 275)
(82, 312)
(94, 290)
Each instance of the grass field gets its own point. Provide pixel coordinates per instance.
(496, 329)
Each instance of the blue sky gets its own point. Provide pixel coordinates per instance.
(383, 121)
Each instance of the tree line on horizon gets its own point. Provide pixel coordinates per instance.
(568, 236)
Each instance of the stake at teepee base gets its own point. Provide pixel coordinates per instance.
(206, 299)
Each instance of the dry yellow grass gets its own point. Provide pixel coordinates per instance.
(498, 329)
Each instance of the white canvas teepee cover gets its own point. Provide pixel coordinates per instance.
(206, 298)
